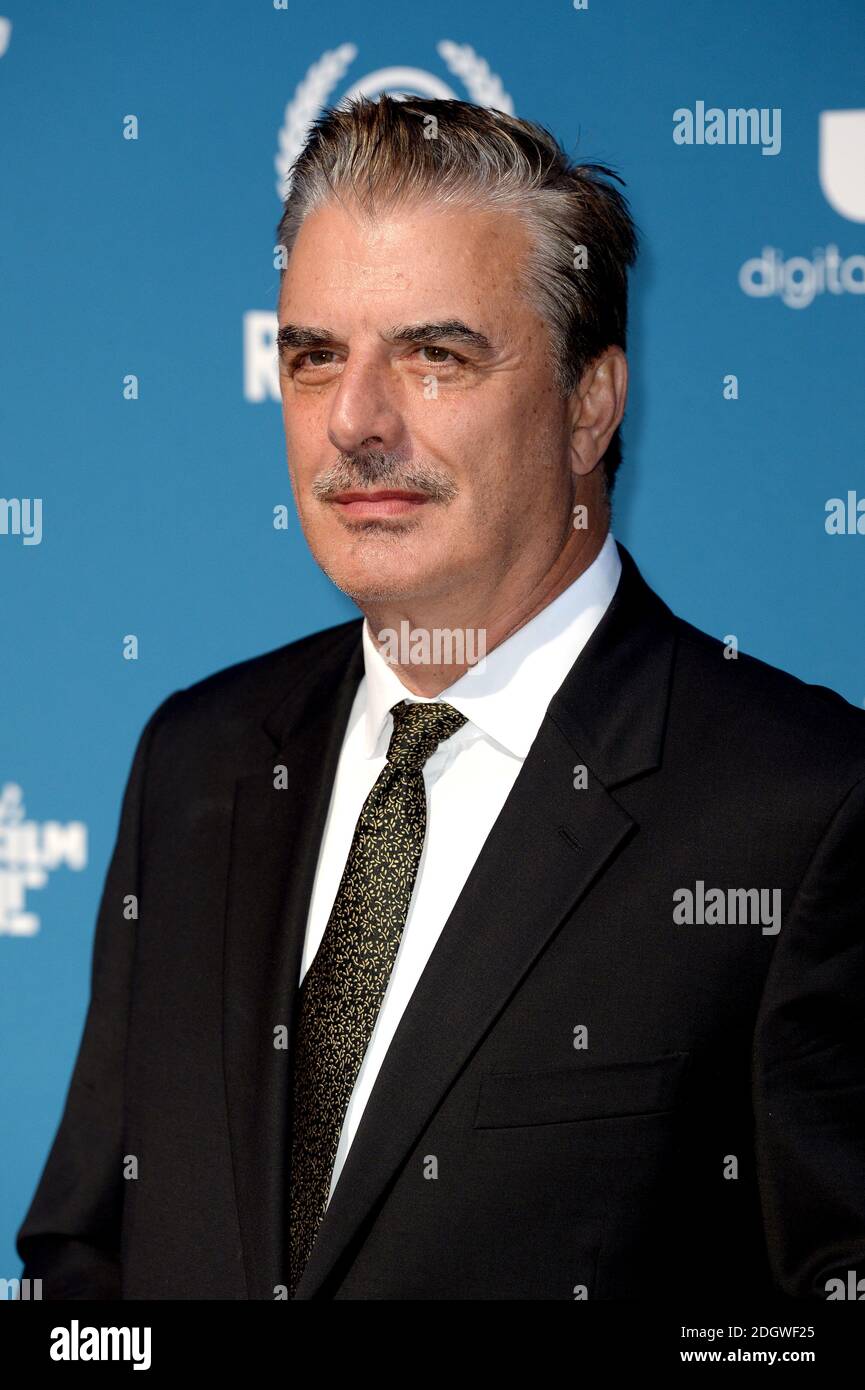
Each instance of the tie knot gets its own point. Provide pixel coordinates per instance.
(418, 729)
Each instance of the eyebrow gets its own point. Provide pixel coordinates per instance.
(293, 335)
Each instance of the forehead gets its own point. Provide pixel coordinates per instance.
(414, 254)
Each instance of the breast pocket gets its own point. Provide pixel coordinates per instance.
(601, 1091)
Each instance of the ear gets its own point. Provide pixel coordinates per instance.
(596, 408)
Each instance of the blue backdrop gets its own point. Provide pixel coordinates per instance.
(142, 147)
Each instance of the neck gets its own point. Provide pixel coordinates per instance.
(473, 625)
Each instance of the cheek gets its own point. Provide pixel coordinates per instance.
(304, 422)
(304, 462)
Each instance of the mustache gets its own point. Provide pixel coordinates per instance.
(354, 472)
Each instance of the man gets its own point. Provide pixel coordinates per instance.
(532, 976)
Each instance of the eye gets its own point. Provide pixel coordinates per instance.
(439, 361)
(316, 352)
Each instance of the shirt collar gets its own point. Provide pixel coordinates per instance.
(507, 695)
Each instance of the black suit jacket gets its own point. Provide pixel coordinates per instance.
(494, 1159)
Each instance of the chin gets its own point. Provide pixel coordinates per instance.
(371, 588)
(391, 580)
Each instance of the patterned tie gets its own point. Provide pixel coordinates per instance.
(343, 988)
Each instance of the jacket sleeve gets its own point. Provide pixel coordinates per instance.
(809, 1070)
(70, 1238)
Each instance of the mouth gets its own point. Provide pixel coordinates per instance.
(384, 502)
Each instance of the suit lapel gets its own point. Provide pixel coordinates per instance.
(546, 848)
(274, 848)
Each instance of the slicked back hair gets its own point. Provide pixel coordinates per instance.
(389, 153)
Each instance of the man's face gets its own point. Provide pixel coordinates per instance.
(427, 445)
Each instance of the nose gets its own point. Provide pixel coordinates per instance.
(365, 410)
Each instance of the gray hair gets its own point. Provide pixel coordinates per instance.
(392, 152)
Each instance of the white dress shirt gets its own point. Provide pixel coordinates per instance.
(467, 781)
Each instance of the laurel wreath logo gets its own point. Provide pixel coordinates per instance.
(312, 94)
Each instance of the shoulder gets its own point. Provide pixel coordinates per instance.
(756, 718)
(243, 694)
